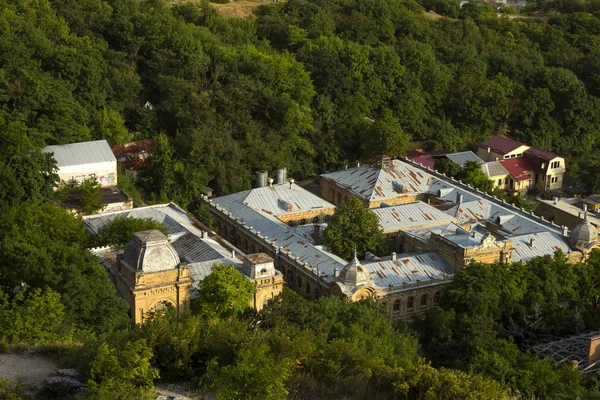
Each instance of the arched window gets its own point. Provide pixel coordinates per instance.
(410, 303)
(161, 307)
(315, 220)
(436, 298)
(424, 301)
(397, 306)
(303, 221)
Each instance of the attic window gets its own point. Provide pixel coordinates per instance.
(263, 271)
(398, 187)
(285, 205)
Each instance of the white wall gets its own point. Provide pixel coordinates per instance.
(105, 173)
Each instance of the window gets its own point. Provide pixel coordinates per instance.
(307, 288)
(410, 303)
(555, 164)
(397, 306)
(424, 301)
(303, 221)
(436, 298)
(506, 181)
(315, 220)
(339, 198)
(506, 156)
(299, 283)
(554, 179)
(520, 155)
(499, 182)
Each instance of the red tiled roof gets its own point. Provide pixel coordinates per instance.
(537, 158)
(501, 144)
(517, 168)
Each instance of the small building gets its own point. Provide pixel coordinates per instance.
(463, 157)
(546, 170)
(78, 162)
(497, 174)
(134, 156)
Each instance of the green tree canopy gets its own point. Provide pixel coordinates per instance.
(353, 228)
(119, 231)
(224, 293)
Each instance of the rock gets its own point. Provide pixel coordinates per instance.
(63, 385)
(70, 373)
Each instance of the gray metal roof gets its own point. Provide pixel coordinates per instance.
(293, 240)
(185, 237)
(544, 243)
(408, 269)
(283, 199)
(494, 168)
(200, 270)
(462, 158)
(409, 215)
(81, 153)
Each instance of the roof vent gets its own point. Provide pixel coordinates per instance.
(398, 187)
(270, 180)
(291, 182)
(261, 179)
(285, 205)
(280, 175)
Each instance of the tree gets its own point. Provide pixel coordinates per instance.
(119, 231)
(256, 375)
(33, 317)
(224, 293)
(473, 175)
(91, 196)
(124, 373)
(353, 228)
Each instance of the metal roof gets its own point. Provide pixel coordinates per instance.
(81, 153)
(375, 183)
(494, 168)
(279, 234)
(501, 144)
(185, 237)
(462, 158)
(408, 269)
(518, 168)
(200, 270)
(283, 199)
(410, 215)
(544, 243)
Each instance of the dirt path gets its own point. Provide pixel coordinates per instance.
(30, 369)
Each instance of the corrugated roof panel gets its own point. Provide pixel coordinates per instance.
(544, 243)
(462, 158)
(405, 216)
(81, 153)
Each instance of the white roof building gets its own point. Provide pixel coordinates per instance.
(77, 162)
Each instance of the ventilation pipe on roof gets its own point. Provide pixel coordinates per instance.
(543, 165)
(565, 231)
(280, 175)
(585, 212)
(555, 200)
(357, 163)
(459, 197)
(261, 179)
(531, 242)
(393, 256)
(291, 182)
(336, 273)
(232, 253)
(346, 166)
(270, 180)
(489, 149)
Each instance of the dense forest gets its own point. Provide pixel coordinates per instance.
(309, 85)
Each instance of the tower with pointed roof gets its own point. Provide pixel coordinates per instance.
(585, 235)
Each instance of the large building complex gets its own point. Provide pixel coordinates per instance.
(435, 227)
(155, 271)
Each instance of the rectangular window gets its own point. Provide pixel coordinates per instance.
(555, 164)
(499, 182)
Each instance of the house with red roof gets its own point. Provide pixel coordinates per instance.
(528, 167)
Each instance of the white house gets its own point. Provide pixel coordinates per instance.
(77, 162)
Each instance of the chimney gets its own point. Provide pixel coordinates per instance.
(261, 179)
(489, 149)
(357, 163)
(346, 166)
(280, 175)
(336, 273)
(565, 231)
(585, 212)
(555, 200)
(232, 253)
(531, 242)
(594, 351)
(543, 165)
(459, 197)
(291, 182)
(393, 256)
(270, 180)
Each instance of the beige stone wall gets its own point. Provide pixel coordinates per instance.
(338, 195)
(266, 290)
(558, 216)
(397, 304)
(144, 291)
(307, 217)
